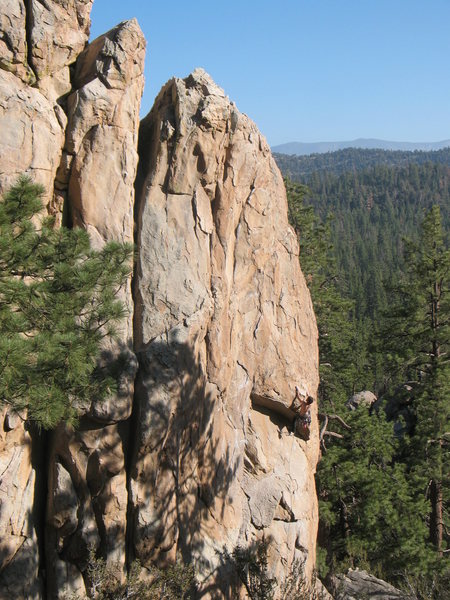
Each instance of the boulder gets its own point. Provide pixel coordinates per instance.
(357, 585)
(365, 398)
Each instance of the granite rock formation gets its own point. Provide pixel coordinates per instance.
(224, 331)
(58, 31)
(32, 134)
(205, 454)
(13, 40)
(96, 179)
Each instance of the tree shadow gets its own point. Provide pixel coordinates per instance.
(154, 487)
(118, 364)
(181, 471)
(87, 480)
(87, 500)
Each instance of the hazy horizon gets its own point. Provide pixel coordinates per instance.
(357, 139)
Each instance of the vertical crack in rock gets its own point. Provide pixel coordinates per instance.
(21, 515)
(103, 117)
(58, 33)
(33, 129)
(28, 41)
(14, 34)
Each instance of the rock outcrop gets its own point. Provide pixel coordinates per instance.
(13, 40)
(98, 168)
(365, 398)
(358, 584)
(97, 175)
(204, 452)
(58, 31)
(32, 134)
(36, 50)
(224, 331)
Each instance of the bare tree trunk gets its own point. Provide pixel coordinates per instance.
(436, 521)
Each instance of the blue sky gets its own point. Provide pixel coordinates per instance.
(306, 70)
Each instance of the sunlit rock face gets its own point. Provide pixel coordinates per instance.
(32, 134)
(98, 170)
(200, 451)
(88, 495)
(224, 331)
(58, 31)
(39, 41)
(69, 117)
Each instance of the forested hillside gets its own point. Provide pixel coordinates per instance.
(369, 213)
(355, 159)
(374, 249)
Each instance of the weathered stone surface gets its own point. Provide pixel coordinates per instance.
(87, 501)
(13, 40)
(321, 591)
(19, 556)
(109, 82)
(88, 505)
(58, 30)
(99, 167)
(225, 332)
(357, 584)
(32, 134)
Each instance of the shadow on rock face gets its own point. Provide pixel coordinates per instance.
(180, 472)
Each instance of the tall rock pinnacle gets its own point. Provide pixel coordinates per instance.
(225, 331)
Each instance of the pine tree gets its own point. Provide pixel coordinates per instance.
(369, 518)
(338, 375)
(369, 515)
(417, 338)
(57, 302)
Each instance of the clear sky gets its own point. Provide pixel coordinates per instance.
(306, 70)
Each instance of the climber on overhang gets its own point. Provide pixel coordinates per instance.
(302, 423)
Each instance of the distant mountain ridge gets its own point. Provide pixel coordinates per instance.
(303, 148)
(301, 168)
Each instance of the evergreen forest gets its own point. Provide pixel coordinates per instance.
(374, 248)
(351, 160)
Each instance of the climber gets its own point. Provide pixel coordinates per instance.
(302, 424)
